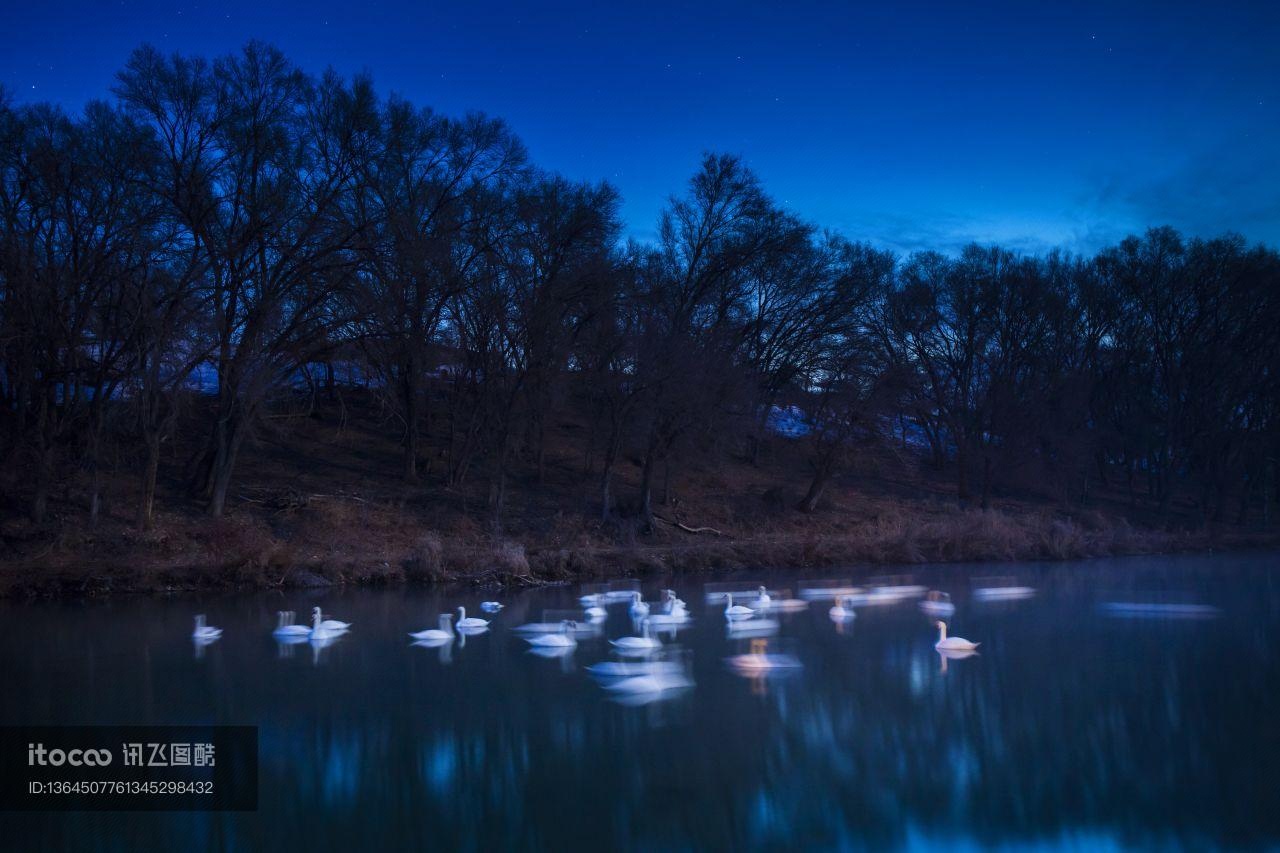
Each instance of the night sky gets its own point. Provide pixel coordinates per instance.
(910, 124)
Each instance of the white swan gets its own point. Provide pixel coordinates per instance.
(671, 604)
(750, 663)
(435, 634)
(843, 610)
(618, 595)
(677, 617)
(643, 643)
(465, 621)
(1003, 593)
(638, 607)
(952, 644)
(736, 611)
(285, 628)
(322, 631)
(938, 604)
(331, 625)
(759, 660)
(491, 606)
(562, 640)
(203, 632)
(763, 600)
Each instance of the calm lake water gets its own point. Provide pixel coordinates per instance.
(1074, 728)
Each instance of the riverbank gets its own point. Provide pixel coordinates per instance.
(321, 501)
(342, 542)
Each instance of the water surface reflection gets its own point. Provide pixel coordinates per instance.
(1072, 727)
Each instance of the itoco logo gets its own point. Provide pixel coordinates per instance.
(37, 754)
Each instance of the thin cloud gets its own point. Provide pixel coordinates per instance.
(1209, 193)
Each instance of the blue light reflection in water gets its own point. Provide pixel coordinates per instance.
(1076, 726)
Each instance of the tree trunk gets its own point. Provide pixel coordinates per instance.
(1246, 491)
(962, 474)
(95, 496)
(498, 489)
(93, 458)
(817, 486)
(44, 474)
(410, 392)
(150, 469)
(606, 482)
(1101, 461)
(229, 435)
(646, 488)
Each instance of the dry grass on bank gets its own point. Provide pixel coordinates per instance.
(370, 545)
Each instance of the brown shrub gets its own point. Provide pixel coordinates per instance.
(238, 541)
(426, 559)
(1062, 539)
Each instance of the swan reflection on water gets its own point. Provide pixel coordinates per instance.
(319, 644)
(444, 647)
(643, 682)
(648, 689)
(945, 655)
(757, 627)
(1158, 610)
(1144, 732)
(285, 645)
(438, 635)
(199, 644)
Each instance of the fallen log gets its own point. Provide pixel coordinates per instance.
(686, 528)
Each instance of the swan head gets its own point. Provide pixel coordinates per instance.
(939, 624)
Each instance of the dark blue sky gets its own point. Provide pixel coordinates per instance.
(909, 124)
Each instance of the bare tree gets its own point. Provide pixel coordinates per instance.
(261, 161)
